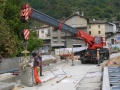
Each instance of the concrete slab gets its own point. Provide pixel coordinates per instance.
(8, 78)
(6, 86)
(90, 85)
(92, 80)
(97, 69)
(88, 88)
(94, 74)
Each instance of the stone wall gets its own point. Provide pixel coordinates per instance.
(8, 64)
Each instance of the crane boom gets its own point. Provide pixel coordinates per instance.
(27, 12)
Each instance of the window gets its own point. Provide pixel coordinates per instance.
(99, 32)
(112, 41)
(54, 32)
(97, 40)
(89, 26)
(42, 31)
(62, 32)
(119, 25)
(76, 45)
(62, 39)
(48, 31)
(55, 39)
(98, 26)
(89, 32)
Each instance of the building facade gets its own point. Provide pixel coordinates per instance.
(80, 23)
(96, 28)
(44, 34)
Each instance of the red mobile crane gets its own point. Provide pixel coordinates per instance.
(94, 43)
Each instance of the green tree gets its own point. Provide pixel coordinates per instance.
(11, 14)
(33, 41)
(118, 17)
(7, 39)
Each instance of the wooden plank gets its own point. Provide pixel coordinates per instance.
(61, 79)
(49, 79)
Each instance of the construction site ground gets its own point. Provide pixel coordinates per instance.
(63, 76)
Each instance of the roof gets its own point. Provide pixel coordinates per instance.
(98, 22)
(115, 21)
(44, 26)
(76, 15)
(114, 34)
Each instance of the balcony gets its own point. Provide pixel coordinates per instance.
(48, 33)
(62, 34)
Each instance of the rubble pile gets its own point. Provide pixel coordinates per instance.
(112, 62)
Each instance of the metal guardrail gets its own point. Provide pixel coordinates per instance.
(111, 78)
(114, 77)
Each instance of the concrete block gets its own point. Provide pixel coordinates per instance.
(10, 79)
(27, 76)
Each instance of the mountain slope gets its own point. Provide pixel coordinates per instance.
(61, 9)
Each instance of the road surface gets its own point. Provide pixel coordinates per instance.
(74, 75)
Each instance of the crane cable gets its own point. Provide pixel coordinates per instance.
(64, 73)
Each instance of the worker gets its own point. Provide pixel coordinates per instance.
(36, 65)
(40, 58)
(72, 57)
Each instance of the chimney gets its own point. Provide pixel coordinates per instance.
(82, 14)
(93, 19)
(77, 12)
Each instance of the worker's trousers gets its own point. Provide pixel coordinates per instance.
(36, 76)
(40, 70)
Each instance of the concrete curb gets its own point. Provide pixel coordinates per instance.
(105, 82)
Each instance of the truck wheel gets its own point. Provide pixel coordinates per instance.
(106, 56)
(96, 61)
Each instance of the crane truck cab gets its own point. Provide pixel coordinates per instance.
(91, 55)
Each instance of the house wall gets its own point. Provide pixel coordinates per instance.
(76, 21)
(56, 38)
(108, 28)
(73, 42)
(79, 23)
(115, 37)
(94, 28)
(43, 33)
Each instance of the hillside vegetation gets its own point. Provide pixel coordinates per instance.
(61, 9)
